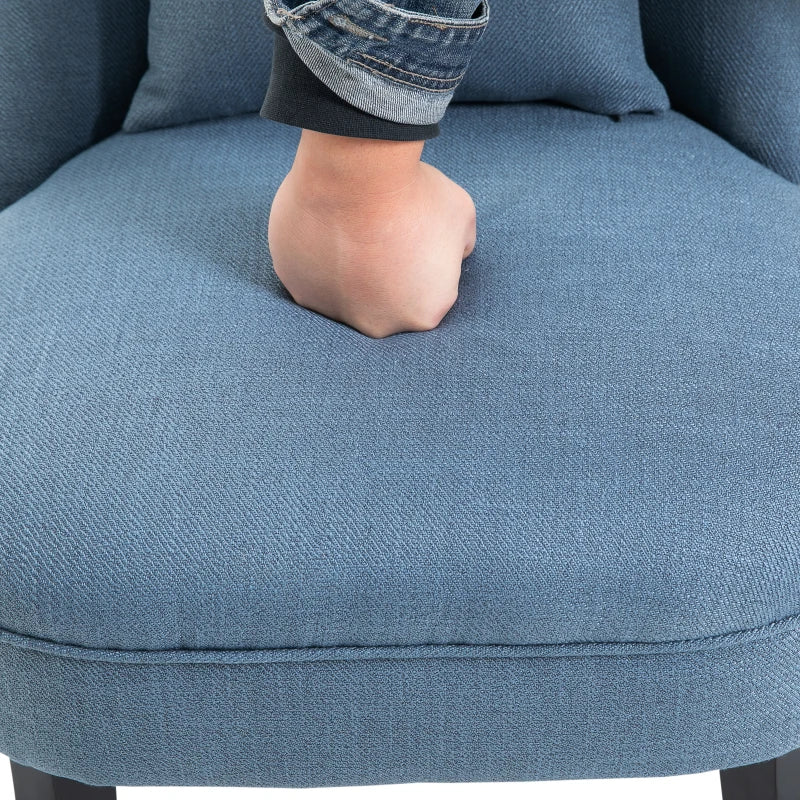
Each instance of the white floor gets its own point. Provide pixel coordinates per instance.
(704, 786)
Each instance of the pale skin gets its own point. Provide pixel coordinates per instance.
(365, 233)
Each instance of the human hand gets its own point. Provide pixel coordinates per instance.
(365, 233)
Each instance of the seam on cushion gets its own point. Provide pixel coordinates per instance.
(398, 652)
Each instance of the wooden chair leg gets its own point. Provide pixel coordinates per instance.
(30, 784)
(778, 779)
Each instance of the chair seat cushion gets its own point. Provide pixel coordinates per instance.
(598, 445)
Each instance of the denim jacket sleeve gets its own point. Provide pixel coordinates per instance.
(296, 96)
(399, 63)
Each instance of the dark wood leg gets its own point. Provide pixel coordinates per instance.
(778, 779)
(30, 784)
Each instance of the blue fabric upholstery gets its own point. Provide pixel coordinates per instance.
(595, 445)
(554, 537)
(67, 74)
(212, 59)
(206, 59)
(322, 718)
(587, 54)
(734, 66)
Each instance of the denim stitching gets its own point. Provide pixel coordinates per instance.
(289, 14)
(440, 25)
(346, 24)
(391, 78)
(446, 25)
(312, 11)
(416, 74)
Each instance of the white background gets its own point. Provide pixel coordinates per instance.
(704, 786)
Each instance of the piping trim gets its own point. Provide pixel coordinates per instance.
(273, 655)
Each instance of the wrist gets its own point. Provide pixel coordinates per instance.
(355, 168)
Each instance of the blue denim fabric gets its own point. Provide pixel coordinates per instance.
(399, 64)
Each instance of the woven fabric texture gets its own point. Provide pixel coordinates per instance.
(583, 53)
(733, 65)
(212, 59)
(597, 445)
(67, 74)
(335, 722)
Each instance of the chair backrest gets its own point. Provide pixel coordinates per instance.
(212, 58)
(68, 72)
(67, 75)
(734, 67)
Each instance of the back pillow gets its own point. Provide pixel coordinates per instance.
(212, 58)
(586, 53)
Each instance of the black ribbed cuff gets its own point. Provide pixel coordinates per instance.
(296, 96)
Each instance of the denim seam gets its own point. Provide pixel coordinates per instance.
(416, 74)
(343, 22)
(440, 23)
(787, 625)
(309, 9)
(400, 80)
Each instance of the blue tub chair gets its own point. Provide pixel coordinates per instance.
(558, 537)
